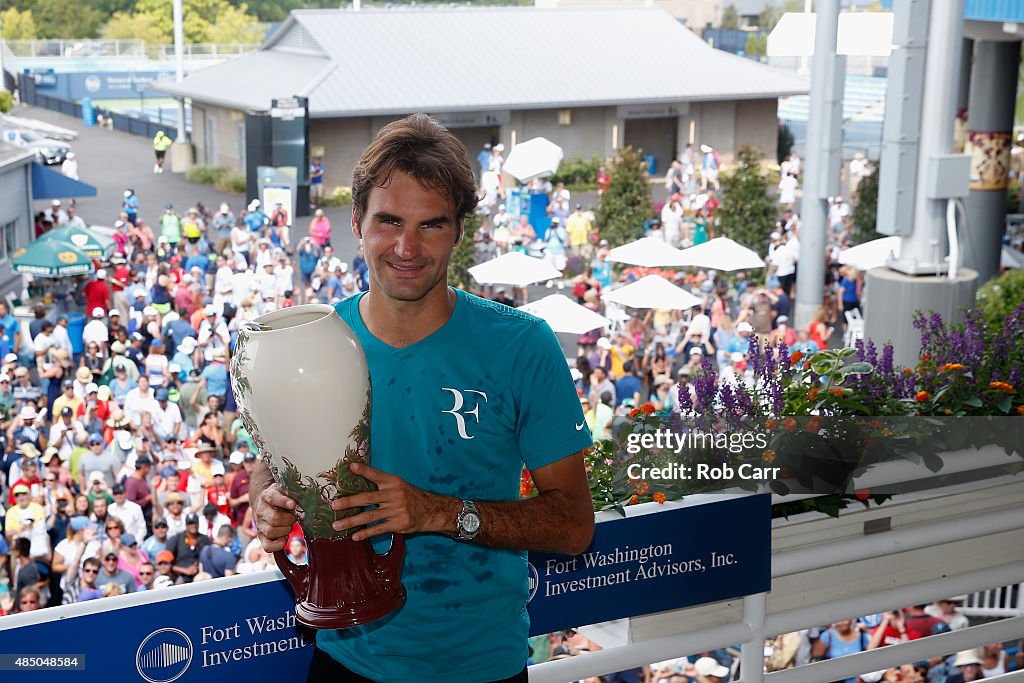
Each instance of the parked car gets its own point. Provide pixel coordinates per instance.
(48, 151)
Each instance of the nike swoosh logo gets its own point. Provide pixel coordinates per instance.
(579, 427)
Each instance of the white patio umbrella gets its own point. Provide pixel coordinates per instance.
(565, 315)
(871, 254)
(721, 253)
(1011, 258)
(534, 158)
(653, 291)
(649, 252)
(514, 268)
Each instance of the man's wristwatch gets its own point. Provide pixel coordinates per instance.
(468, 523)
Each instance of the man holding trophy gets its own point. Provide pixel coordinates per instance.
(465, 392)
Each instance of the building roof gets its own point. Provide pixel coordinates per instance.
(382, 62)
(10, 154)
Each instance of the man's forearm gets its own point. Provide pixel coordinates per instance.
(552, 521)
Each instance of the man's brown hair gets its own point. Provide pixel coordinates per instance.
(422, 148)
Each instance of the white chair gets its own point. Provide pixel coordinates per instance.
(854, 327)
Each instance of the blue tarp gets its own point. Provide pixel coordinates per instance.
(48, 184)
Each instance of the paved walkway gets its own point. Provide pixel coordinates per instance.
(112, 160)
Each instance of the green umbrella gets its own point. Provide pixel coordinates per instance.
(51, 258)
(95, 245)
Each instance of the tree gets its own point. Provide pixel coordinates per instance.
(785, 142)
(752, 48)
(627, 201)
(124, 26)
(748, 213)
(865, 210)
(17, 25)
(768, 17)
(66, 19)
(233, 25)
(462, 256)
(200, 18)
(730, 17)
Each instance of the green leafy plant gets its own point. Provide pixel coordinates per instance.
(626, 202)
(748, 213)
(231, 182)
(339, 196)
(579, 175)
(462, 257)
(865, 209)
(997, 299)
(6, 101)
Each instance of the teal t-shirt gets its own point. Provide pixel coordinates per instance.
(458, 414)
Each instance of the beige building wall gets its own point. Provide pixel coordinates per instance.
(218, 133)
(219, 136)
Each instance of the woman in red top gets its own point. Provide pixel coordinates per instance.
(819, 331)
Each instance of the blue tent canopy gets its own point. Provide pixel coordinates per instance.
(47, 184)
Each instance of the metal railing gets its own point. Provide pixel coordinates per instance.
(124, 48)
(987, 512)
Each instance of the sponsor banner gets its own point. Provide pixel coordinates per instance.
(212, 631)
(98, 85)
(657, 562)
(243, 627)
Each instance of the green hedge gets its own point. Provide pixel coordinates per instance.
(6, 101)
(578, 174)
(339, 196)
(224, 179)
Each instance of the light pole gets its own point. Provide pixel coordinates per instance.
(181, 150)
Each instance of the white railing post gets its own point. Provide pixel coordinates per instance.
(752, 652)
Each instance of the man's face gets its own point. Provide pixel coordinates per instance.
(22, 499)
(89, 573)
(409, 233)
(160, 531)
(164, 567)
(148, 574)
(99, 507)
(110, 564)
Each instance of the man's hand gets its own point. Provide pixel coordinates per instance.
(274, 513)
(401, 507)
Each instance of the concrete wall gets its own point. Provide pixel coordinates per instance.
(16, 208)
(757, 126)
(723, 125)
(225, 127)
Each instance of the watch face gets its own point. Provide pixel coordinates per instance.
(471, 523)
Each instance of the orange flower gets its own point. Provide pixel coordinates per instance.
(769, 456)
(908, 371)
(862, 494)
(796, 357)
(789, 424)
(643, 488)
(922, 396)
(659, 498)
(836, 391)
(950, 367)
(647, 408)
(926, 357)
(771, 424)
(525, 488)
(1020, 410)
(633, 413)
(814, 424)
(632, 500)
(1002, 386)
(813, 393)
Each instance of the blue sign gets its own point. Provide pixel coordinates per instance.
(243, 627)
(653, 563)
(203, 632)
(98, 85)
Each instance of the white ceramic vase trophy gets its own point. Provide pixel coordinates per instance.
(302, 387)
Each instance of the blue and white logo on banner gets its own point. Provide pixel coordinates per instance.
(164, 655)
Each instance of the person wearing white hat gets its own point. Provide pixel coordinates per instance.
(70, 166)
(95, 331)
(55, 214)
(710, 163)
(710, 670)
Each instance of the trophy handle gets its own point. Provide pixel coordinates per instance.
(390, 563)
(297, 575)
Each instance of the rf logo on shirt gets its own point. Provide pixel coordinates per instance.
(457, 412)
